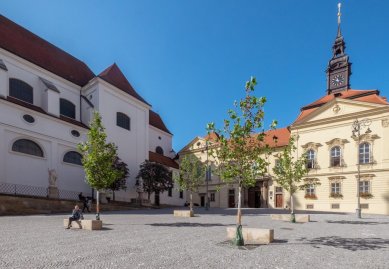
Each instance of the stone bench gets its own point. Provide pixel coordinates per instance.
(286, 217)
(252, 235)
(85, 224)
(183, 213)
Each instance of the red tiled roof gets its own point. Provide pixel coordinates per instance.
(32, 48)
(211, 136)
(277, 138)
(113, 75)
(156, 121)
(158, 158)
(369, 96)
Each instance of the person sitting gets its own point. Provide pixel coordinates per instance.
(76, 215)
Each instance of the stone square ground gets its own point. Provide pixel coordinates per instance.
(155, 239)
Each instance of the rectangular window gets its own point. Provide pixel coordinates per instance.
(335, 206)
(364, 206)
(364, 186)
(278, 189)
(181, 194)
(231, 192)
(169, 192)
(212, 197)
(335, 161)
(208, 174)
(310, 190)
(311, 164)
(309, 206)
(335, 188)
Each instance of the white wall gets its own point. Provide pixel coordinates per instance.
(162, 139)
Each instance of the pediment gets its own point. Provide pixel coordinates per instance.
(340, 107)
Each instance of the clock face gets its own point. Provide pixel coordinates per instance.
(337, 80)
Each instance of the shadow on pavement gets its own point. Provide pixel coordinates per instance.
(352, 244)
(188, 224)
(356, 222)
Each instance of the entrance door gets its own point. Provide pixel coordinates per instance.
(254, 197)
(279, 200)
(231, 198)
(156, 198)
(202, 201)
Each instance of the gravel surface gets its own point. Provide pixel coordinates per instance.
(156, 239)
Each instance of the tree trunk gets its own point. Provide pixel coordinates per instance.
(291, 204)
(148, 197)
(239, 217)
(113, 195)
(191, 202)
(98, 205)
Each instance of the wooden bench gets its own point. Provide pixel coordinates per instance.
(286, 217)
(253, 235)
(85, 224)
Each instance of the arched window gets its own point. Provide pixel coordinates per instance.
(311, 157)
(335, 156)
(159, 150)
(21, 90)
(364, 153)
(122, 120)
(27, 147)
(67, 108)
(72, 157)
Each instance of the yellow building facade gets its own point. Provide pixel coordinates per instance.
(345, 135)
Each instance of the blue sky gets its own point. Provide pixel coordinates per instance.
(190, 59)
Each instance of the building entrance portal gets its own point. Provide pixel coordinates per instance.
(257, 196)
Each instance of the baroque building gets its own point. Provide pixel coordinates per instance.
(47, 97)
(345, 135)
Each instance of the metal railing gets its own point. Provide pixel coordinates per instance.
(26, 190)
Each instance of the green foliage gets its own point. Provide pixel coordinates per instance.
(99, 156)
(241, 140)
(290, 170)
(155, 177)
(191, 175)
(120, 183)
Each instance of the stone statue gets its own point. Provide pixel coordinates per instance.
(52, 178)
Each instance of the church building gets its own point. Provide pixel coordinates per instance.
(47, 97)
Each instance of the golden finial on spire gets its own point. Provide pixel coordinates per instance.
(339, 14)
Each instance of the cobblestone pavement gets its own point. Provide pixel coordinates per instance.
(156, 239)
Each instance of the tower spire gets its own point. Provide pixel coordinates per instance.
(339, 67)
(339, 19)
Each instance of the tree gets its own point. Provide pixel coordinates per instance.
(241, 146)
(156, 178)
(120, 183)
(191, 176)
(289, 172)
(98, 159)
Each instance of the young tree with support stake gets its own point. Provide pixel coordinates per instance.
(289, 172)
(191, 176)
(241, 146)
(98, 159)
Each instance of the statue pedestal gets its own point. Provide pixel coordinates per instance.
(52, 192)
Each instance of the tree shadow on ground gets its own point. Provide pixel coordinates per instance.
(189, 224)
(352, 244)
(356, 222)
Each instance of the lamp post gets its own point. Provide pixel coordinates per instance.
(356, 130)
(207, 178)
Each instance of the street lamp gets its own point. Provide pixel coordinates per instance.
(356, 130)
(207, 178)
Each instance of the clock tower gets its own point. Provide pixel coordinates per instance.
(339, 67)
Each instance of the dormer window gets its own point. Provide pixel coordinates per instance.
(67, 108)
(21, 90)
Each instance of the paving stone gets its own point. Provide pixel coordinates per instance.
(156, 239)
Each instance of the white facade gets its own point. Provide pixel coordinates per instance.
(52, 132)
